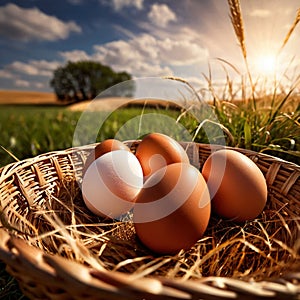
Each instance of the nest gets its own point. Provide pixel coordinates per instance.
(57, 249)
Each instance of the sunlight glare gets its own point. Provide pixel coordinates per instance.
(265, 65)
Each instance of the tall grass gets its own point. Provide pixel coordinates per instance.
(261, 121)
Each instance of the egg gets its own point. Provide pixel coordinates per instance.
(157, 150)
(102, 148)
(111, 183)
(236, 184)
(172, 210)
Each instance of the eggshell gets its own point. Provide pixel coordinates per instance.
(172, 210)
(157, 150)
(102, 148)
(111, 183)
(236, 184)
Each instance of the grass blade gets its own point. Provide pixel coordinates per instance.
(280, 105)
(291, 30)
(10, 153)
(247, 135)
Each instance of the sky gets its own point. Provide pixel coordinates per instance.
(146, 38)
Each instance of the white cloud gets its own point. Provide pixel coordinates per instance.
(75, 55)
(22, 83)
(39, 85)
(118, 5)
(260, 13)
(146, 54)
(161, 15)
(34, 67)
(5, 74)
(181, 52)
(132, 57)
(44, 64)
(24, 68)
(32, 24)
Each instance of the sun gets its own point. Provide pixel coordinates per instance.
(265, 65)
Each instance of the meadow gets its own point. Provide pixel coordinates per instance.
(27, 131)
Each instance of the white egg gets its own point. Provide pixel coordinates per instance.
(111, 183)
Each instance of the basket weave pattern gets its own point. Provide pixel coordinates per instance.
(27, 186)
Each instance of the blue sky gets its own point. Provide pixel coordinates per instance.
(142, 37)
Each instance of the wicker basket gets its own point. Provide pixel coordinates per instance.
(27, 186)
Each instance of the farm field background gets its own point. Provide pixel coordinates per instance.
(31, 127)
(27, 97)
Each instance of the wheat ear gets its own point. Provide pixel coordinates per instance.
(292, 28)
(237, 22)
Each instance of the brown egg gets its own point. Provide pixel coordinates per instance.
(172, 210)
(102, 148)
(157, 150)
(236, 184)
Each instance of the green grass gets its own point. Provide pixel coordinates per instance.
(272, 129)
(26, 131)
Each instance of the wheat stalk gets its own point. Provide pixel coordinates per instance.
(292, 28)
(236, 18)
(237, 22)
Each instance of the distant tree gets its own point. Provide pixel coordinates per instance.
(84, 80)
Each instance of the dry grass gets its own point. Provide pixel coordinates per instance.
(26, 97)
(106, 104)
(237, 23)
(291, 30)
(236, 18)
(258, 249)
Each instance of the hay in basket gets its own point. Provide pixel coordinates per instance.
(57, 249)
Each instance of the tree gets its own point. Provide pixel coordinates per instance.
(84, 80)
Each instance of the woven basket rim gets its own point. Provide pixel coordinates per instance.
(16, 254)
(31, 160)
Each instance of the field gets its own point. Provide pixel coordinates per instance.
(27, 131)
(27, 97)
